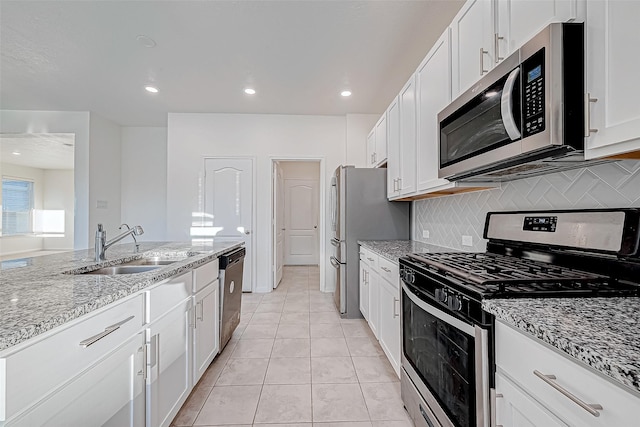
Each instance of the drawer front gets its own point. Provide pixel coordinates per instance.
(524, 360)
(370, 257)
(165, 296)
(205, 274)
(35, 371)
(389, 271)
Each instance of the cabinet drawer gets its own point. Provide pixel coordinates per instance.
(205, 274)
(33, 372)
(370, 258)
(165, 296)
(389, 271)
(520, 357)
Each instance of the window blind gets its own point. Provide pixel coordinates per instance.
(17, 206)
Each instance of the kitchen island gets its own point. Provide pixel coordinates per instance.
(81, 345)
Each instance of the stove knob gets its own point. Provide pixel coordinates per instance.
(412, 277)
(454, 302)
(441, 295)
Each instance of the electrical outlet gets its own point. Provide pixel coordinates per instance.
(467, 241)
(102, 204)
(425, 234)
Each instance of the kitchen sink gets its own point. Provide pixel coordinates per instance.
(153, 261)
(124, 269)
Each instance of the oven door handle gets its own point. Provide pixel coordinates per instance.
(506, 106)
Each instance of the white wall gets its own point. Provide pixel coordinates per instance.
(58, 195)
(358, 127)
(17, 244)
(104, 175)
(144, 180)
(191, 137)
(76, 122)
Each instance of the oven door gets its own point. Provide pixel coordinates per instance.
(447, 360)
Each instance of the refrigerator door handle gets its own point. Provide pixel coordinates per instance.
(335, 242)
(335, 263)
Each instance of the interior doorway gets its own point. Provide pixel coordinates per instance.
(296, 217)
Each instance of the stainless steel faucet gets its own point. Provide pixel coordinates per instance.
(102, 244)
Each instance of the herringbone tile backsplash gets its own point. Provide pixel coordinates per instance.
(603, 186)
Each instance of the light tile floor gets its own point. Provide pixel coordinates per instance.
(293, 362)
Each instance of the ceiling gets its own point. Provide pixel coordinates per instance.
(298, 55)
(38, 150)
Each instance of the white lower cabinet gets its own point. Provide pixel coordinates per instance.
(110, 393)
(389, 323)
(379, 295)
(536, 385)
(169, 340)
(206, 331)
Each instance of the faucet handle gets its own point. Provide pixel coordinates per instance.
(124, 225)
(100, 227)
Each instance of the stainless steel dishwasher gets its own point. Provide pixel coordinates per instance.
(231, 266)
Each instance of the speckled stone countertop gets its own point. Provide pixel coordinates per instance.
(38, 294)
(604, 333)
(394, 249)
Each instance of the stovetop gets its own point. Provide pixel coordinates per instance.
(489, 275)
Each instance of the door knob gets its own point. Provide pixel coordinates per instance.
(315, 226)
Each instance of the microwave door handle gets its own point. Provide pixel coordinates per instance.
(506, 106)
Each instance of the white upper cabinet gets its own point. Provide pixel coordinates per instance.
(519, 20)
(380, 156)
(613, 37)
(371, 148)
(408, 130)
(473, 44)
(393, 149)
(433, 83)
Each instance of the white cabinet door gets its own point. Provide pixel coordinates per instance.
(408, 138)
(110, 393)
(389, 324)
(515, 409)
(364, 290)
(613, 37)
(206, 331)
(519, 20)
(472, 32)
(374, 297)
(393, 149)
(371, 148)
(380, 155)
(169, 380)
(433, 80)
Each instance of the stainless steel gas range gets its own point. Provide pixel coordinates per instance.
(447, 339)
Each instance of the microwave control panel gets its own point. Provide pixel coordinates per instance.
(533, 76)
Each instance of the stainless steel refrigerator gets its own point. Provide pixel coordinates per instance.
(360, 211)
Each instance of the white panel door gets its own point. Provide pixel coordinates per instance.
(279, 227)
(229, 205)
(301, 222)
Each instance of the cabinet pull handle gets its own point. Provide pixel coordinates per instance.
(496, 47)
(386, 269)
(395, 301)
(589, 407)
(399, 181)
(108, 330)
(370, 259)
(587, 114)
(143, 371)
(482, 53)
(201, 317)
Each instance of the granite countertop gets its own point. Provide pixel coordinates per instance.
(38, 294)
(603, 333)
(394, 249)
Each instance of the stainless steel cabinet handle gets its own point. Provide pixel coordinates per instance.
(496, 47)
(370, 259)
(482, 53)
(399, 186)
(375, 157)
(589, 407)
(395, 301)
(587, 114)
(386, 269)
(201, 317)
(143, 371)
(334, 262)
(108, 330)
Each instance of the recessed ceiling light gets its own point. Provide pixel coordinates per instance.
(151, 89)
(146, 41)
(250, 91)
(345, 93)
(16, 153)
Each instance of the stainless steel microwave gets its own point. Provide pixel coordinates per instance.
(525, 117)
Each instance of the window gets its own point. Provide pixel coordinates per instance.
(17, 206)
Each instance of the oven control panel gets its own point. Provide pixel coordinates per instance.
(534, 90)
(540, 223)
